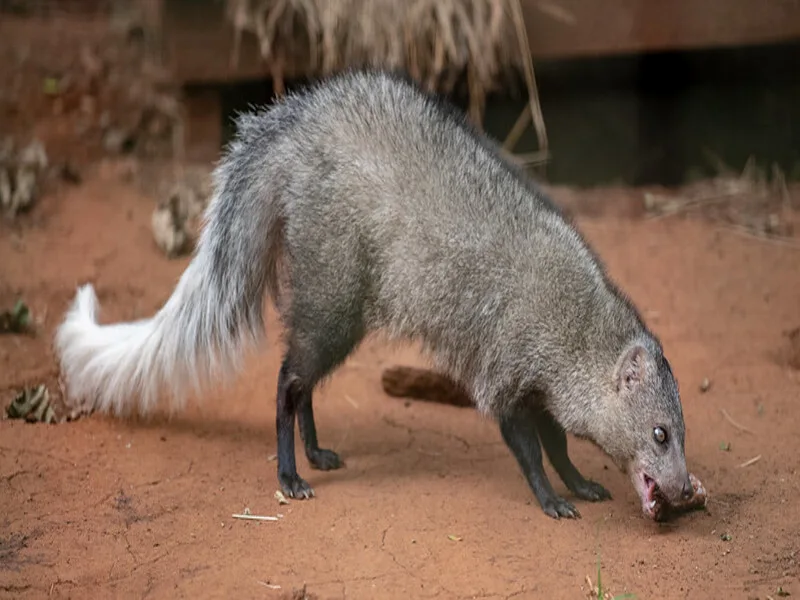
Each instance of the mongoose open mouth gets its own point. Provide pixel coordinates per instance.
(656, 507)
(648, 492)
(649, 500)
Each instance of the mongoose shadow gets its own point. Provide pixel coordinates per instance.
(363, 204)
(382, 453)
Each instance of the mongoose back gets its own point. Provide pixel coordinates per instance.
(363, 204)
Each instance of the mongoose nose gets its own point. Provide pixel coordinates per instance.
(688, 491)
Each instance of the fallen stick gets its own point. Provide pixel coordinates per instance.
(271, 586)
(255, 517)
(738, 426)
(752, 461)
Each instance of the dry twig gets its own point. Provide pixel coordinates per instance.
(255, 517)
(738, 426)
(752, 461)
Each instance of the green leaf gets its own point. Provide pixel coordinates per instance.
(21, 314)
(51, 86)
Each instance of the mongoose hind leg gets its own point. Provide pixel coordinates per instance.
(289, 393)
(554, 442)
(315, 348)
(319, 458)
(519, 432)
(325, 321)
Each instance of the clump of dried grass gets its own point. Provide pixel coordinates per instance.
(436, 41)
(750, 202)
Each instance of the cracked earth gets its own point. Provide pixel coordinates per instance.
(431, 504)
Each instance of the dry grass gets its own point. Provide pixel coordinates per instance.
(752, 202)
(437, 42)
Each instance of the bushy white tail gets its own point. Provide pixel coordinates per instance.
(216, 310)
(124, 367)
(214, 314)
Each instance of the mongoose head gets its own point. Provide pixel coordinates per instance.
(645, 432)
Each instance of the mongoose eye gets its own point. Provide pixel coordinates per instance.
(660, 435)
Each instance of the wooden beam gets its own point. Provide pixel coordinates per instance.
(575, 28)
(198, 45)
(198, 40)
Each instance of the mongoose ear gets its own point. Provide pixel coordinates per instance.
(631, 368)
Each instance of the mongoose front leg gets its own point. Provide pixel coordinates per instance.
(291, 483)
(318, 458)
(554, 442)
(519, 433)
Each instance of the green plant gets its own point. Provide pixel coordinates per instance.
(601, 595)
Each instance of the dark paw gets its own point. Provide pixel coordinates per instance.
(294, 486)
(557, 508)
(591, 491)
(324, 460)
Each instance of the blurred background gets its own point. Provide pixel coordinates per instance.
(625, 91)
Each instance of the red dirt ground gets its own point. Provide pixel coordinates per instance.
(100, 508)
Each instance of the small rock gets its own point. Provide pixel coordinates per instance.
(773, 224)
(175, 220)
(70, 173)
(168, 230)
(705, 385)
(117, 141)
(20, 175)
(88, 105)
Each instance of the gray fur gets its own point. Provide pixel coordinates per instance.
(365, 205)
